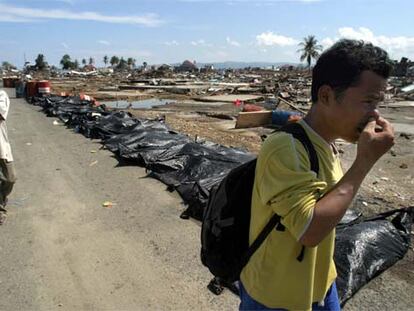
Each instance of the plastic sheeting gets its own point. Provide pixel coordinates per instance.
(188, 166)
(193, 169)
(145, 142)
(364, 247)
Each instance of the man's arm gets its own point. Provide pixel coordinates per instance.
(4, 104)
(331, 208)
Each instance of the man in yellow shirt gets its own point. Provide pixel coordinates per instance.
(294, 269)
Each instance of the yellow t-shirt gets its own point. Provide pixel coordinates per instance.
(284, 184)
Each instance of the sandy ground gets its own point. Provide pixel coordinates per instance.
(61, 249)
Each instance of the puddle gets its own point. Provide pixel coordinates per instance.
(145, 103)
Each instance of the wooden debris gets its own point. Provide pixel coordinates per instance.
(253, 119)
(292, 105)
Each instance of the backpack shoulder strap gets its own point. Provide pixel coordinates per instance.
(298, 132)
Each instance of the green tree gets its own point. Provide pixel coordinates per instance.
(309, 49)
(66, 62)
(75, 64)
(91, 61)
(105, 60)
(114, 60)
(123, 64)
(40, 62)
(83, 61)
(131, 62)
(7, 66)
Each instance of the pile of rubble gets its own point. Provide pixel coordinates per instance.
(189, 82)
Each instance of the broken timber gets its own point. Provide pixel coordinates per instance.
(253, 119)
(292, 105)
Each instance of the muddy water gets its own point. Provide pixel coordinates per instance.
(139, 104)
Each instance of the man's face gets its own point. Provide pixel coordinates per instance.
(357, 105)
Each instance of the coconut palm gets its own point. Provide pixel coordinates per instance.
(122, 65)
(66, 62)
(310, 49)
(40, 62)
(131, 62)
(105, 60)
(114, 61)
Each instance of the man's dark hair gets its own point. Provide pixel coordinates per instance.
(342, 64)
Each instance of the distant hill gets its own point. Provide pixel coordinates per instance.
(239, 65)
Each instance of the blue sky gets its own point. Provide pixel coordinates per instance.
(169, 31)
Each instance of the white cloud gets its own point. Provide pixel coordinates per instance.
(397, 46)
(232, 42)
(104, 42)
(65, 45)
(200, 42)
(170, 43)
(327, 42)
(23, 14)
(361, 34)
(13, 19)
(269, 39)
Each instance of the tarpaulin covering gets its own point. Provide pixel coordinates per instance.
(74, 112)
(185, 165)
(364, 247)
(194, 168)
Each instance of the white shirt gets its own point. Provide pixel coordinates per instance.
(5, 149)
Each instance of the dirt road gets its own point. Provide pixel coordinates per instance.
(62, 249)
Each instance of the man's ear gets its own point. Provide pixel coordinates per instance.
(326, 95)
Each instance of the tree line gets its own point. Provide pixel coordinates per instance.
(114, 61)
(310, 49)
(67, 63)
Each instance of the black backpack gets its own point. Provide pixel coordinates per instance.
(225, 246)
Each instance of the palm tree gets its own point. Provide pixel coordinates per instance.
(310, 49)
(131, 62)
(40, 62)
(75, 64)
(83, 61)
(66, 62)
(91, 61)
(122, 64)
(105, 60)
(114, 61)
